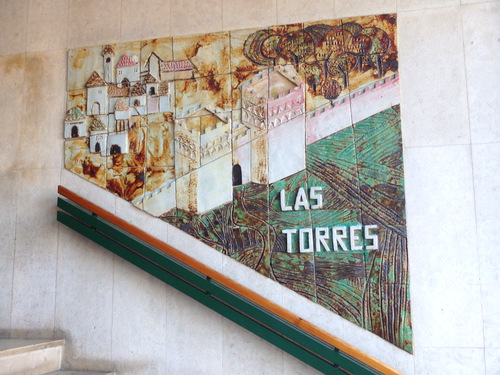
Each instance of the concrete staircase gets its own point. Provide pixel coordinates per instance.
(35, 357)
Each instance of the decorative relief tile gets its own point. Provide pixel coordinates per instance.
(337, 276)
(252, 239)
(202, 55)
(81, 64)
(241, 81)
(127, 149)
(127, 183)
(160, 195)
(187, 145)
(78, 159)
(371, 43)
(212, 92)
(160, 141)
(122, 66)
(77, 98)
(278, 146)
(161, 47)
(380, 167)
(241, 60)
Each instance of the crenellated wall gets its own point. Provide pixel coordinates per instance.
(53, 283)
(337, 115)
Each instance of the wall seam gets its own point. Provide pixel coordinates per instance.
(437, 146)
(14, 254)
(112, 308)
(26, 27)
(121, 20)
(56, 278)
(222, 21)
(473, 185)
(67, 42)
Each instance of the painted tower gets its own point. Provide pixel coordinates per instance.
(203, 159)
(108, 54)
(286, 124)
(270, 143)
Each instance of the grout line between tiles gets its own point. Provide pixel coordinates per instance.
(26, 27)
(473, 188)
(121, 21)
(14, 256)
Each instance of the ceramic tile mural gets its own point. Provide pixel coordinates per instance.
(279, 147)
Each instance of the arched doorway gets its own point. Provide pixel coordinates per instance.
(125, 82)
(115, 150)
(237, 176)
(97, 147)
(96, 108)
(74, 132)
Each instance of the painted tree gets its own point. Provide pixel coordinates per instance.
(325, 55)
(252, 48)
(330, 88)
(269, 48)
(359, 45)
(340, 66)
(296, 47)
(317, 31)
(313, 73)
(332, 44)
(380, 45)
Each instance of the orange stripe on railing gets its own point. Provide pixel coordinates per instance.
(230, 284)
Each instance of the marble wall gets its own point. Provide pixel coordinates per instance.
(53, 283)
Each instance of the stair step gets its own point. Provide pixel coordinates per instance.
(30, 357)
(69, 372)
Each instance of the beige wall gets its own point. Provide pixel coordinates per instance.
(55, 283)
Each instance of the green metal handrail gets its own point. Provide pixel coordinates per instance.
(256, 318)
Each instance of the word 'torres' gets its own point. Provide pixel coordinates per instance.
(324, 238)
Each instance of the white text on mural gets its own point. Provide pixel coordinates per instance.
(302, 201)
(337, 238)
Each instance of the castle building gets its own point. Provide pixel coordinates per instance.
(97, 95)
(203, 159)
(75, 124)
(138, 98)
(120, 103)
(271, 143)
(98, 136)
(170, 70)
(127, 71)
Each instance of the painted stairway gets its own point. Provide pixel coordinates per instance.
(287, 331)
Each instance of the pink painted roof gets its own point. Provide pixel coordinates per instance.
(127, 60)
(169, 66)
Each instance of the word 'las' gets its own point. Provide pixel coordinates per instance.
(358, 237)
(302, 201)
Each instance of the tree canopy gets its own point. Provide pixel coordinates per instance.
(325, 55)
